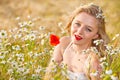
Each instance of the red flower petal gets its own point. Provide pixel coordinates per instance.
(54, 40)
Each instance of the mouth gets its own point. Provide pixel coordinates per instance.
(77, 37)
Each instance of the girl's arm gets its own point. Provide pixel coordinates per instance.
(95, 67)
(57, 56)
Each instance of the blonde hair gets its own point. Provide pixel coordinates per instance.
(96, 12)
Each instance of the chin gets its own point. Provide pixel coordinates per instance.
(75, 41)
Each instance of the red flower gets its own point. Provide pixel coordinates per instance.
(54, 40)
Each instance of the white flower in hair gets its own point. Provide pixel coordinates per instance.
(99, 14)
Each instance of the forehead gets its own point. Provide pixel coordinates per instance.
(86, 19)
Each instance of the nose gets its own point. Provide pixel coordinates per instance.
(80, 30)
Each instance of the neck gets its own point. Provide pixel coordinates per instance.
(79, 48)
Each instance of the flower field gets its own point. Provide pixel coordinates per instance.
(25, 39)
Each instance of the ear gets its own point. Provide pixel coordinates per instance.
(96, 36)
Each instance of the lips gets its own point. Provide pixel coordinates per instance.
(77, 37)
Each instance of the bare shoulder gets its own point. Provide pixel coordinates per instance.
(95, 66)
(64, 41)
(60, 48)
(94, 57)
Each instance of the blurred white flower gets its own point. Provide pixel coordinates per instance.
(11, 78)
(3, 62)
(21, 24)
(97, 42)
(94, 73)
(30, 37)
(30, 54)
(30, 24)
(14, 64)
(117, 35)
(114, 77)
(20, 59)
(10, 71)
(35, 75)
(38, 69)
(102, 59)
(60, 24)
(103, 64)
(7, 44)
(35, 19)
(26, 71)
(42, 42)
(20, 55)
(9, 59)
(26, 24)
(17, 36)
(21, 69)
(28, 16)
(109, 72)
(109, 47)
(95, 50)
(41, 28)
(17, 18)
(2, 57)
(41, 36)
(3, 34)
(16, 47)
(47, 35)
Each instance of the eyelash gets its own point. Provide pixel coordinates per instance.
(78, 24)
(89, 30)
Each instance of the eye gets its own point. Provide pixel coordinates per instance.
(88, 30)
(78, 24)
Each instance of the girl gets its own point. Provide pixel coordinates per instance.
(86, 25)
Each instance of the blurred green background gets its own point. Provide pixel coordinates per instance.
(53, 12)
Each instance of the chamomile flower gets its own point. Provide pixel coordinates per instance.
(9, 71)
(94, 73)
(39, 68)
(97, 42)
(60, 24)
(41, 28)
(103, 64)
(42, 42)
(17, 18)
(32, 37)
(3, 34)
(109, 71)
(3, 62)
(117, 35)
(114, 77)
(102, 59)
(16, 47)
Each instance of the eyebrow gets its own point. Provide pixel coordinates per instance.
(78, 21)
(89, 26)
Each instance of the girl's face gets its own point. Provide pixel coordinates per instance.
(84, 29)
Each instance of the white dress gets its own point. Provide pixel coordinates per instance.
(76, 76)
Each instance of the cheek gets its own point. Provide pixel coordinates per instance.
(73, 29)
(90, 35)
